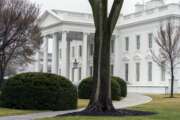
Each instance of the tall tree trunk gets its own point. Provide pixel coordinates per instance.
(101, 100)
(172, 80)
(1, 76)
(105, 90)
(2, 66)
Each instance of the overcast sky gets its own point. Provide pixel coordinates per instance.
(83, 5)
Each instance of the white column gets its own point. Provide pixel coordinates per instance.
(64, 54)
(85, 55)
(117, 57)
(55, 54)
(45, 55)
(37, 67)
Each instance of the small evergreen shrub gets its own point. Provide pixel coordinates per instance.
(85, 89)
(123, 86)
(41, 91)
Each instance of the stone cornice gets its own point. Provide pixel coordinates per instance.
(119, 27)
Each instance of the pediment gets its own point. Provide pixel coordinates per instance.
(137, 57)
(148, 57)
(48, 19)
(126, 58)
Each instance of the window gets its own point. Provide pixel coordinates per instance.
(60, 55)
(150, 38)
(112, 46)
(149, 71)
(49, 69)
(126, 71)
(73, 51)
(127, 43)
(91, 71)
(91, 49)
(138, 42)
(112, 69)
(80, 51)
(72, 74)
(163, 71)
(59, 71)
(137, 71)
(79, 73)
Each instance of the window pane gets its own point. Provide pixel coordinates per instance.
(137, 71)
(127, 43)
(80, 51)
(59, 71)
(79, 73)
(91, 71)
(126, 72)
(150, 37)
(60, 54)
(150, 71)
(138, 42)
(91, 49)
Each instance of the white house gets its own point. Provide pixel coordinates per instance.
(71, 35)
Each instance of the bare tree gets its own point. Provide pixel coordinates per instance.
(168, 40)
(105, 23)
(11, 70)
(19, 33)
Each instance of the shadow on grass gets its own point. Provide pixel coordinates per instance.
(118, 113)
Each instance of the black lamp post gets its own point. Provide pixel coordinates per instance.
(75, 64)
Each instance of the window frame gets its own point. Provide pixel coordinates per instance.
(138, 42)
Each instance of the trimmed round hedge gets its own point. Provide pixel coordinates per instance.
(42, 91)
(123, 86)
(85, 89)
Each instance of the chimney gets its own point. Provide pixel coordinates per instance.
(139, 7)
(154, 3)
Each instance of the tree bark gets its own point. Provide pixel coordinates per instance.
(1, 76)
(101, 98)
(101, 94)
(172, 80)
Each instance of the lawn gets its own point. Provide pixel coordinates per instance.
(9, 112)
(82, 103)
(167, 109)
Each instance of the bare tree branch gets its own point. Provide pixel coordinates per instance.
(168, 40)
(20, 35)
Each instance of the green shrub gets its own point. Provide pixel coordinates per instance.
(41, 91)
(85, 89)
(123, 86)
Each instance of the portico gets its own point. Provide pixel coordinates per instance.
(69, 54)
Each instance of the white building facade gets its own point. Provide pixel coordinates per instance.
(71, 35)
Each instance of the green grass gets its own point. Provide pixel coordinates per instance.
(167, 109)
(82, 103)
(9, 112)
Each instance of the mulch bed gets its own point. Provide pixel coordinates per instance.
(120, 112)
